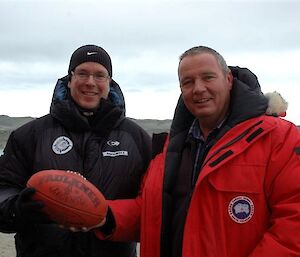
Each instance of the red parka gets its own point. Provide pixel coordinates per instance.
(246, 201)
(260, 175)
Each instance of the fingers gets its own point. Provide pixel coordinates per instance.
(82, 229)
(27, 193)
(102, 223)
(25, 198)
(33, 205)
(74, 229)
(86, 229)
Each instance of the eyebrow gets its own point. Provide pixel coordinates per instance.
(201, 74)
(96, 72)
(208, 73)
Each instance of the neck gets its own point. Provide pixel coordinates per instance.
(206, 129)
(207, 126)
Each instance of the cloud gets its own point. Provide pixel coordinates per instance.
(145, 39)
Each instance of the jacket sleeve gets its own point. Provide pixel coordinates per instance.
(13, 177)
(127, 216)
(282, 188)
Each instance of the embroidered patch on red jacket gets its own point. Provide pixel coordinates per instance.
(297, 150)
(241, 209)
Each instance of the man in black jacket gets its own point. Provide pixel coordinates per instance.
(86, 131)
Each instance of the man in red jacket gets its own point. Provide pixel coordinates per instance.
(225, 182)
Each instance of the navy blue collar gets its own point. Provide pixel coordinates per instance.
(196, 132)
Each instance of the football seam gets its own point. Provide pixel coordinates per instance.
(69, 206)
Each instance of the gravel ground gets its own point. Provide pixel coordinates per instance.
(7, 245)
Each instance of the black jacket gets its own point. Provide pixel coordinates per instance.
(110, 150)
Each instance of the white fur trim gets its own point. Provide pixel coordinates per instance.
(277, 104)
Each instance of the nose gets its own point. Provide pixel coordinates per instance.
(91, 79)
(199, 86)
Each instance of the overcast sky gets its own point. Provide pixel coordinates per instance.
(144, 39)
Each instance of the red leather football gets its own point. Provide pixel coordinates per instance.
(69, 198)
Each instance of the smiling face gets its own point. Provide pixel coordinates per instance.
(205, 88)
(87, 93)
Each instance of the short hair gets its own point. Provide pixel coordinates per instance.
(204, 49)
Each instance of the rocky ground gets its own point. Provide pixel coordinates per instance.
(7, 245)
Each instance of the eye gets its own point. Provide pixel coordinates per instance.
(100, 76)
(186, 82)
(208, 77)
(82, 74)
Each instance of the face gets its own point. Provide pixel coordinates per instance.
(205, 88)
(87, 93)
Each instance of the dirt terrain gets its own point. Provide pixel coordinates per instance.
(7, 245)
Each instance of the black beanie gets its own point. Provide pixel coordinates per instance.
(90, 53)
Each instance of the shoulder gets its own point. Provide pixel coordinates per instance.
(131, 127)
(24, 138)
(269, 122)
(30, 132)
(282, 131)
(277, 129)
(281, 125)
(137, 135)
(32, 126)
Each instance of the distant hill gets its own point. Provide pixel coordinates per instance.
(8, 124)
(153, 126)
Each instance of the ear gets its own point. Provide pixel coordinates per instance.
(229, 79)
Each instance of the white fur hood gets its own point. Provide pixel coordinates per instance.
(277, 105)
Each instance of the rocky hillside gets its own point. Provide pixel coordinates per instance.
(8, 124)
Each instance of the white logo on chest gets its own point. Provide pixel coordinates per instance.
(62, 145)
(113, 143)
(115, 154)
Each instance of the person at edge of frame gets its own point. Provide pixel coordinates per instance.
(87, 132)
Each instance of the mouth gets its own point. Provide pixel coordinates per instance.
(202, 100)
(88, 93)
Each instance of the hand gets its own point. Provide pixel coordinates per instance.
(84, 229)
(27, 211)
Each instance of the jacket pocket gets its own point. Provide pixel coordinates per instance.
(238, 178)
(238, 206)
